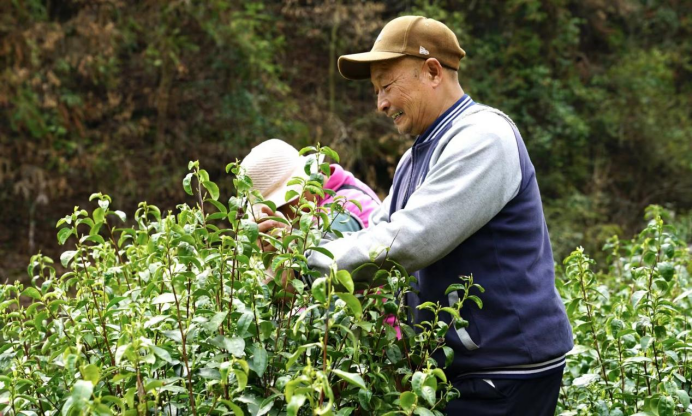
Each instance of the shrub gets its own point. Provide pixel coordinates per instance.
(631, 325)
(181, 314)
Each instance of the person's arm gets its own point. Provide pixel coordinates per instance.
(475, 176)
(345, 222)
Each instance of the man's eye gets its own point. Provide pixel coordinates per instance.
(386, 87)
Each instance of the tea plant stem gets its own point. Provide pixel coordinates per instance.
(653, 311)
(120, 259)
(219, 294)
(582, 272)
(140, 390)
(233, 279)
(646, 378)
(684, 359)
(254, 312)
(326, 338)
(98, 308)
(213, 405)
(182, 335)
(622, 372)
(201, 200)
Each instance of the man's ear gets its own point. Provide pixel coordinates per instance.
(433, 71)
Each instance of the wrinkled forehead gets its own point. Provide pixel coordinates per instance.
(385, 71)
(381, 72)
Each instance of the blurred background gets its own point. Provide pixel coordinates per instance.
(116, 96)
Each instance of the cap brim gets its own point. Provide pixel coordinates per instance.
(357, 65)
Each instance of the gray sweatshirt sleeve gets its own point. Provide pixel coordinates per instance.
(469, 181)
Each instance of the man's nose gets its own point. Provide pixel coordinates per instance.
(382, 104)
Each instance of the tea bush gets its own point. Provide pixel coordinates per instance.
(184, 313)
(631, 326)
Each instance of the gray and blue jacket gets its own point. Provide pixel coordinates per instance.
(465, 201)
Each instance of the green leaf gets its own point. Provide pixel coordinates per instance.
(32, 292)
(417, 382)
(163, 298)
(64, 234)
(298, 285)
(235, 345)
(66, 257)
(305, 222)
(449, 355)
(259, 359)
(82, 390)
(649, 258)
(428, 390)
(394, 353)
(585, 380)
(422, 411)
(187, 183)
(667, 270)
(120, 215)
(91, 373)
(407, 400)
(296, 402)
(154, 384)
(454, 287)
(215, 321)
(251, 230)
(237, 411)
(212, 188)
(440, 374)
(683, 397)
(345, 279)
(323, 251)
(319, 289)
(330, 153)
(290, 194)
(173, 335)
(477, 300)
(218, 205)
(307, 149)
(241, 378)
(99, 215)
(352, 302)
(666, 406)
(352, 378)
(161, 353)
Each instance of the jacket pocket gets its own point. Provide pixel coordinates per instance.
(462, 333)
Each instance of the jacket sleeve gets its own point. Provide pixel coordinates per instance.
(475, 176)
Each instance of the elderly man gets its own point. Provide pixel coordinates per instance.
(464, 201)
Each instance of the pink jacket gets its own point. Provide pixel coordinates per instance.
(345, 184)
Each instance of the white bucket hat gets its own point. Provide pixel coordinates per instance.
(273, 163)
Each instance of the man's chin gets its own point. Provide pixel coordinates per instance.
(403, 129)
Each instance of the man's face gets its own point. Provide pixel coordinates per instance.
(402, 94)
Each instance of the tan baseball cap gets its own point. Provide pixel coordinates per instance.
(406, 36)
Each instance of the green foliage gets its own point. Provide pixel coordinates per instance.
(118, 96)
(185, 313)
(631, 326)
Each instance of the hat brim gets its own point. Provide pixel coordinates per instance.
(357, 65)
(278, 196)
